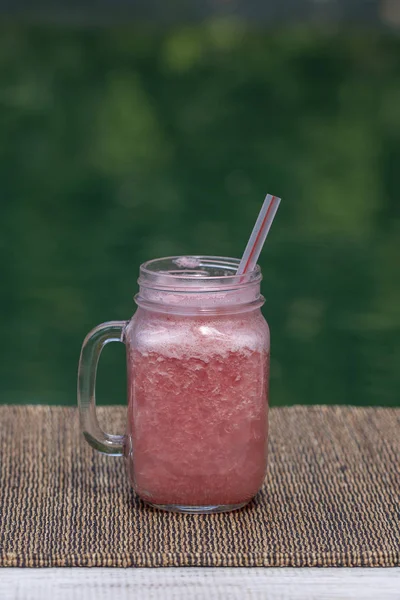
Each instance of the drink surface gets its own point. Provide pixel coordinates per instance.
(198, 407)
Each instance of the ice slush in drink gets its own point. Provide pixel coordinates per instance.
(198, 407)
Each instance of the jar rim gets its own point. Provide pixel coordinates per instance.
(196, 273)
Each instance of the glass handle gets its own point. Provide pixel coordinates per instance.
(103, 334)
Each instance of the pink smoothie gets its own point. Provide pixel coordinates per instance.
(198, 408)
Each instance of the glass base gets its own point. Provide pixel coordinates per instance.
(199, 510)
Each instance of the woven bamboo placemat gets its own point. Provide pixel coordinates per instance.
(331, 497)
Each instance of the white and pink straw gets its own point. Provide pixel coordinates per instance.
(259, 233)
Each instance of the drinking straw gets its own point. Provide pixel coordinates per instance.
(259, 233)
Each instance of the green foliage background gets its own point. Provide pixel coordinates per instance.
(120, 145)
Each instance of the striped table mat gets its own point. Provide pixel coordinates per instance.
(331, 497)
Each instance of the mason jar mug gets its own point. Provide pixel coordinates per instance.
(197, 352)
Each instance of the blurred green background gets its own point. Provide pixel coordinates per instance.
(123, 143)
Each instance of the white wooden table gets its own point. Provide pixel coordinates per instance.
(199, 583)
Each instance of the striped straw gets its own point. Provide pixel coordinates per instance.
(259, 233)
